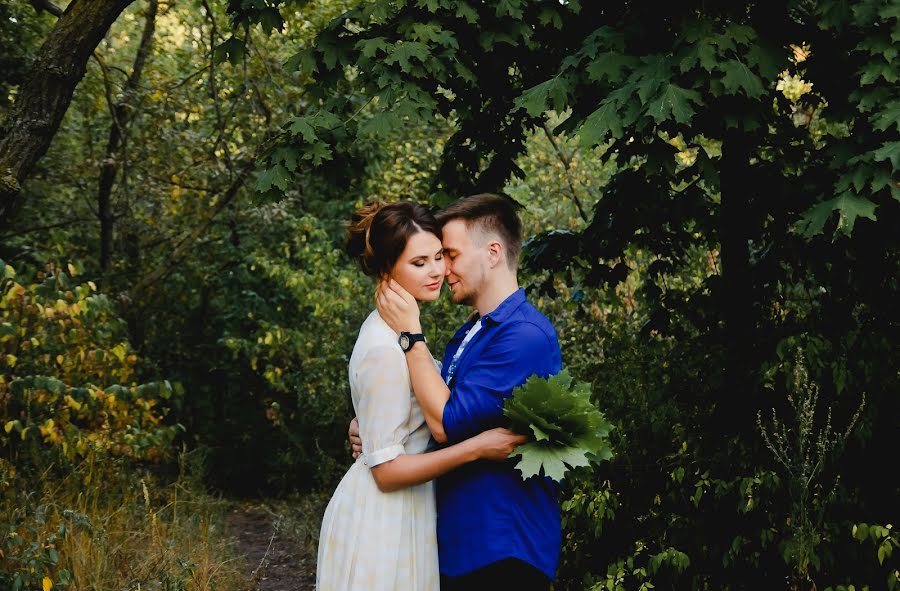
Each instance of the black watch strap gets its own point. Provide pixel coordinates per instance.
(408, 339)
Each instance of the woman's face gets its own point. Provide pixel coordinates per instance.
(420, 267)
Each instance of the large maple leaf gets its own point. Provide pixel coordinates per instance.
(566, 428)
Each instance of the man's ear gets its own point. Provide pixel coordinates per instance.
(495, 253)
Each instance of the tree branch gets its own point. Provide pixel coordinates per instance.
(188, 239)
(214, 90)
(122, 113)
(46, 94)
(46, 6)
(566, 165)
(69, 222)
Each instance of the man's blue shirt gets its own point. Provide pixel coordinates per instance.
(486, 512)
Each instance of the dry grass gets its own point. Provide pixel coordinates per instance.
(126, 530)
(301, 517)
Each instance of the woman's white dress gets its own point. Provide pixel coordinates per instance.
(370, 540)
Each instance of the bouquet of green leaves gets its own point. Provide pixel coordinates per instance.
(568, 430)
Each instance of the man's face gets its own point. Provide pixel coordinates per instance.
(466, 262)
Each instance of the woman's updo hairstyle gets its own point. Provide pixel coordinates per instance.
(378, 233)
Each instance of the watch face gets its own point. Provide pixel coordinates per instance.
(404, 342)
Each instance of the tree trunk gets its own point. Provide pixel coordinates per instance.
(735, 231)
(134, 315)
(122, 114)
(47, 91)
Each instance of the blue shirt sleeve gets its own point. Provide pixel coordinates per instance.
(518, 351)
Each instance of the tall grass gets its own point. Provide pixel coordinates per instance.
(108, 527)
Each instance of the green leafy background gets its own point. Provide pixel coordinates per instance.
(693, 219)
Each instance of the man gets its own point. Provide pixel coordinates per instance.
(494, 529)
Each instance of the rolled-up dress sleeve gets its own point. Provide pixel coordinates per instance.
(384, 404)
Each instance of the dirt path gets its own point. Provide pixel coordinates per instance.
(274, 563)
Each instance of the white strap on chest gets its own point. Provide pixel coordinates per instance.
(455, 361)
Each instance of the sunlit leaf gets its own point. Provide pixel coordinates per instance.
(232, 49)
(403, 54)
(277, 176)
(739, 77)
(849, 208)
(603, 122)
(538, 99)
(674, 102)
(889, 151)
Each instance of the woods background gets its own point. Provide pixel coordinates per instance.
(711, 199)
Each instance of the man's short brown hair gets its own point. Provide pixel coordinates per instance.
(489, 213)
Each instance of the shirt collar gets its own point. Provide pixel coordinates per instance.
(506, 307)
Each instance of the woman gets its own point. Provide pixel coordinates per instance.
(378, 533)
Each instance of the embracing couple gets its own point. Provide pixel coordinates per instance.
(388, 527)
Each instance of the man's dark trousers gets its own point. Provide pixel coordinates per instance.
(511, 574)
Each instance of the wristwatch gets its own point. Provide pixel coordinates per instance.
(408, 339)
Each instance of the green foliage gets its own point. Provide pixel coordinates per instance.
(849, 208)
(741, 206)
(294, 337)
(670, 478)
(567, 429)
(67, 391)
(21, 30)
(804, 453)
(383, 61)
(636, 570)
(29, 557)
(884, 540)
(78, 531)
(881, 536)
(706, 189)
(197, 125)
(77, 426)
